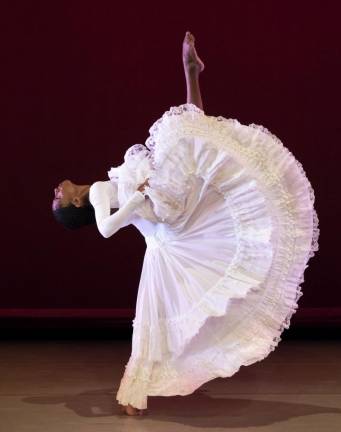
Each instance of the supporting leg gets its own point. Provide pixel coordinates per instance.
(132, 392)
(193, 66)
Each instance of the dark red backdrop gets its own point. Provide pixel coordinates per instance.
(85, 80)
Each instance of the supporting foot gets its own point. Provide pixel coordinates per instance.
(130, 410)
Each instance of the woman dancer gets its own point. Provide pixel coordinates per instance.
(228, 216)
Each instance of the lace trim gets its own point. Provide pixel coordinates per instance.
(268, 336)
(136, 151)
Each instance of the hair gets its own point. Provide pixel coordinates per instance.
(73, 217)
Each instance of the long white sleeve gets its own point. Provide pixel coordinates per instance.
(109, 224)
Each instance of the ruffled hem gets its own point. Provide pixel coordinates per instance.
(295, 233)
(135, 383)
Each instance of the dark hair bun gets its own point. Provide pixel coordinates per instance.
(73, 217)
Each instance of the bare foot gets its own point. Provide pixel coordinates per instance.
(190, 57)
(130, 410)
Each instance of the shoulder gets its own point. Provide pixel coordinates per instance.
(98, 185)
(98, 191)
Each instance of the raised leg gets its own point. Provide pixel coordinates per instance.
(193, 66)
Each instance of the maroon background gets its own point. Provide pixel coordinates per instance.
(85, 80)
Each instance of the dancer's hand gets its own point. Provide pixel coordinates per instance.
(143, 185)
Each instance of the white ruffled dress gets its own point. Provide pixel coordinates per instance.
(230, 226)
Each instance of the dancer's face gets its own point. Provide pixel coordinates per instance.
(65, 194)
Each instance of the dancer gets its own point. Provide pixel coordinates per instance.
(228, 217)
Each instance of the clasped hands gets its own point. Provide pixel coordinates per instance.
(143, 185)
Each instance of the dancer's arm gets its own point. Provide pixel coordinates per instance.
(109, 224)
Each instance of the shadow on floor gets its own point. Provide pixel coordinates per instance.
(198, 409)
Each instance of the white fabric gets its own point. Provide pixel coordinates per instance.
(103, 197)
(229, 226)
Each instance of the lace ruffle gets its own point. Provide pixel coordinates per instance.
(284, 183)
(230, 127)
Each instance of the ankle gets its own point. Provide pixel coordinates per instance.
(192, 71)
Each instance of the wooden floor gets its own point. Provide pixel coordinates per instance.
(70, 386)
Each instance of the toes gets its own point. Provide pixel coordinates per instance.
(189, 37)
